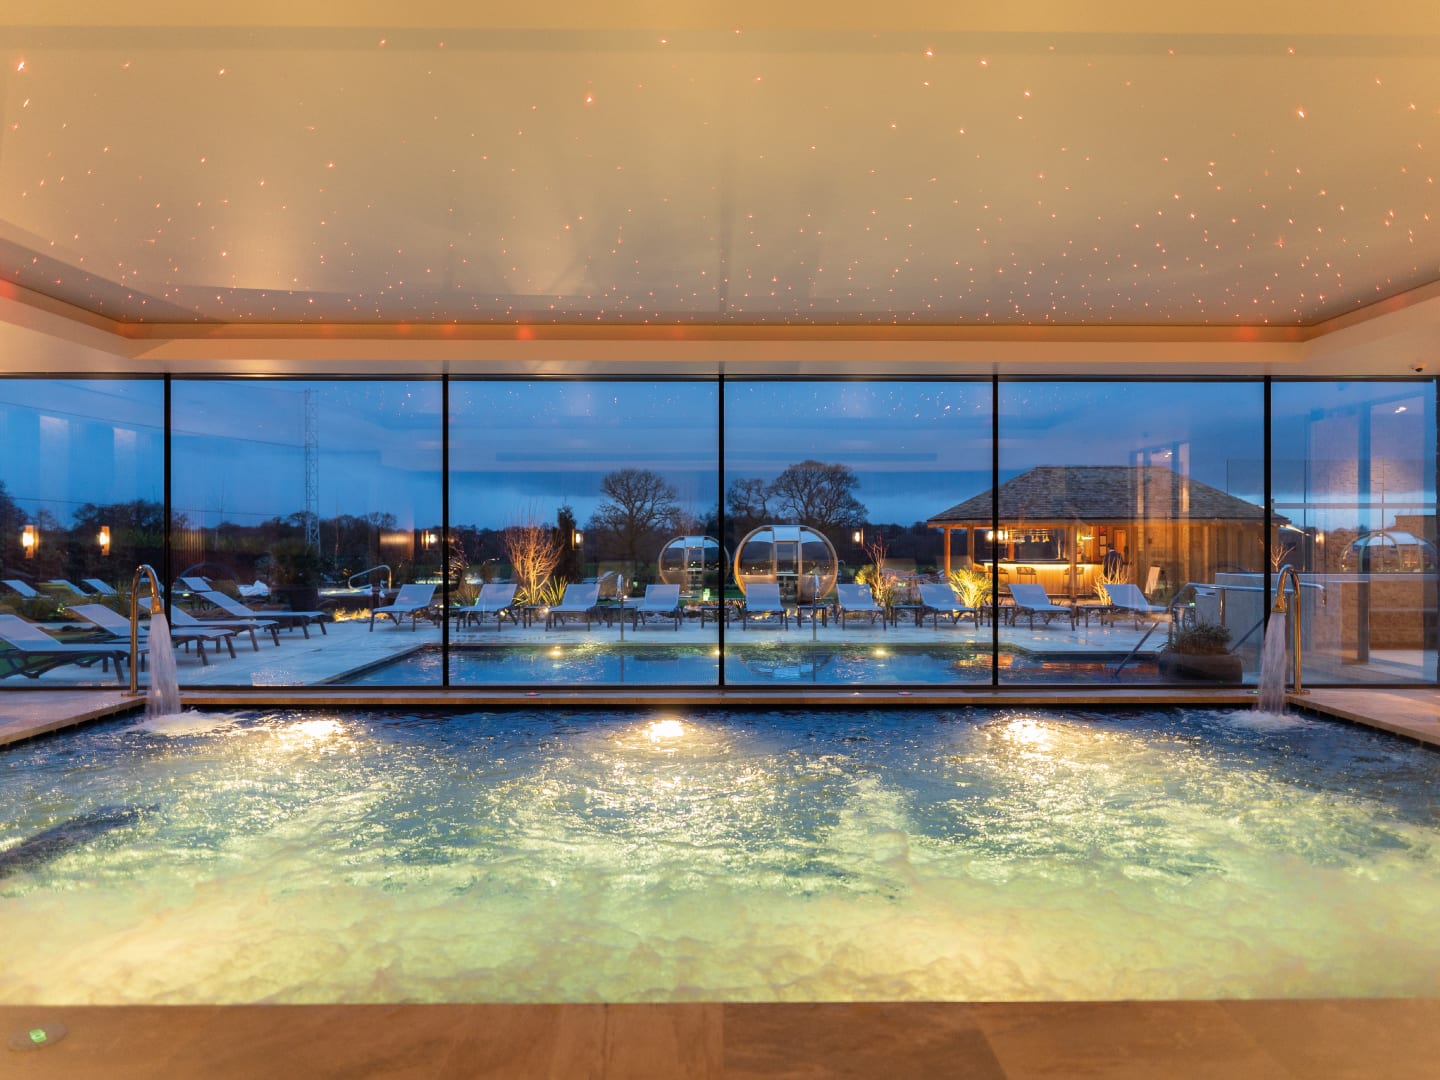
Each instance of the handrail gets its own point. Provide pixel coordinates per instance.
(389, 576)
(1223, 587)
(1144, 638)
(143, 568)
(1193, 587)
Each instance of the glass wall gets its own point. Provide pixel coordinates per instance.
(563, 497)
(81, 505)
(608, 532)
(830, 493)
(309, 496)
(1119, 501)
(1354, 488)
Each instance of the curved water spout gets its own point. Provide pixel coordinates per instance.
(1281, 608)
(146, 570)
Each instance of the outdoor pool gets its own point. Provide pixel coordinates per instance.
(543, 856)
(591, 663)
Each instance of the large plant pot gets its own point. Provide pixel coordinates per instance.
(298, 597)
(1193, 667)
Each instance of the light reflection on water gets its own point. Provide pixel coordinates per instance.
(973, 855)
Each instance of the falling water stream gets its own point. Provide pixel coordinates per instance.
(1272, 666)
(163, 698)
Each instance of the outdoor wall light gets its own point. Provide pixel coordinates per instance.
(428, 539)
(104, 539)
(577, 538)
(29, 540)
(858, 536)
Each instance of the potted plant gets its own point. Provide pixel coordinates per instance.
(1201, 652)
(296, 569)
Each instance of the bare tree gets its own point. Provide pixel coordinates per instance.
(533, 549)
(820, 495)
(641, 501)
(747, 504)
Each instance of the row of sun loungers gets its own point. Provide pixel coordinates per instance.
(31, 652)
(94, 587)
(765, 605)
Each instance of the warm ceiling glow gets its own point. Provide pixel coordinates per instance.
(931, 166)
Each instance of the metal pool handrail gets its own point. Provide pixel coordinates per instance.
(389, 577)
(1191, 588)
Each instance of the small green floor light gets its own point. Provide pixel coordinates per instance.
(38, 1036)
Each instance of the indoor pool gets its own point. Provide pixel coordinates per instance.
(309, 856)
(590, 664)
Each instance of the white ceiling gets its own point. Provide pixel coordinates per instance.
(831, 164)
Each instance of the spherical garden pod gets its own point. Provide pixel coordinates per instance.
(1389, 551)
(695, 563)
(799, 559)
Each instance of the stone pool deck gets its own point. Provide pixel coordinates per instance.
(312, 671)
(1234, 1040)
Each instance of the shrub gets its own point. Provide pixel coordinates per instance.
(972, 586)
(1202, 639)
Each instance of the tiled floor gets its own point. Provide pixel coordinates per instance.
(1150, 1040)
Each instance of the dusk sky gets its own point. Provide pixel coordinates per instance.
(524, 448)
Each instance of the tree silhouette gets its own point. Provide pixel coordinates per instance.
(641, 501)
(819, 495)
(746, 505)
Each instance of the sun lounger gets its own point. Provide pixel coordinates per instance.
(60, 585)
(32, 652)
(118, 627)
(661, 601)
(1031, 600)
(288, 619)
(579, 600)
(413, 600)
(24, 590)
(98, 587)
(1127, 599)
(937, 599)
(494, 602)
(762, 601)
(858, 600)
(181, 618)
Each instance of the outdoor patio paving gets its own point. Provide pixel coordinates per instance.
(351, 646)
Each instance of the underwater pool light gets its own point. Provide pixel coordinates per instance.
(38, 1036)
(665, 729)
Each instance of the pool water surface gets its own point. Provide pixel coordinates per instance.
(590, 664)
(310, 856)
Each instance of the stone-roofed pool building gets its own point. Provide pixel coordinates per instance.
(1062, 520)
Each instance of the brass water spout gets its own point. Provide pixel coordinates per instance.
(1292, 619)
(143, 568)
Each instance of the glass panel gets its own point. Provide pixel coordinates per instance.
(843, 575)
(586, 528)
(1120, 504)
(81, 505)
(1354, 489)
(319, 505)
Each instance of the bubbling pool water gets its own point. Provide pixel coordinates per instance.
(323, 857)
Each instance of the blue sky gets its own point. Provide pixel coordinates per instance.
(524, 448)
